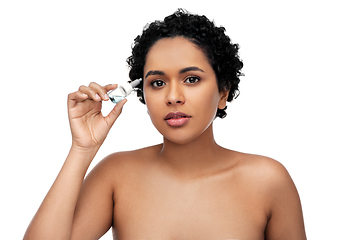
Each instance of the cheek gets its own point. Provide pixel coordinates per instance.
(154, 106)
(208, 100)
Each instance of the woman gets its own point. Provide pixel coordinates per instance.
(188, 187)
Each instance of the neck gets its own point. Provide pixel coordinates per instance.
(198, 157)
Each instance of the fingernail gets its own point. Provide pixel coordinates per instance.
(97, 96)
(106, 97)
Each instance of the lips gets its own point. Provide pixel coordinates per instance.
(175, 115)
(176, 119)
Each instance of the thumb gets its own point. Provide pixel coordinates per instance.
(115, 113)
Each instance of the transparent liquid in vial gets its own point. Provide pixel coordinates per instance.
(117, 95)
(123, 91)
(116, 99)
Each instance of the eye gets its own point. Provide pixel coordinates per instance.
(157, 83)
(192, 80)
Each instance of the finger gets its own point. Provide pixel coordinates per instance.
(110, 87)
(115, 113)
(76, 97)
(92, 93)
(100, 90)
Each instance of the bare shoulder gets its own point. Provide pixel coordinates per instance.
(277, 193)
(269, 171)
(123, 162)
(266, 176)
(275, 176)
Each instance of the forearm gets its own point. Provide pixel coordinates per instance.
(55, 216)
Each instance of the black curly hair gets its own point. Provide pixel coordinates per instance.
(221, 53)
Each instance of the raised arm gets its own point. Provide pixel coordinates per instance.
(55, 217)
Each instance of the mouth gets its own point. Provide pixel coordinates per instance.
(176, 115)
(176, 119)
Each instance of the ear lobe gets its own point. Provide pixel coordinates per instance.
(224, 96)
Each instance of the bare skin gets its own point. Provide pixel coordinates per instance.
(188, 187)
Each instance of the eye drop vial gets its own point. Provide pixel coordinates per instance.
(123, 90)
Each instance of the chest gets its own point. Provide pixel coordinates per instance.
(217, 209)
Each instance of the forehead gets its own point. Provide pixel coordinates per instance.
(175, 52)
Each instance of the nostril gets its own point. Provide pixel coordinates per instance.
(175, 97)
(175, 102)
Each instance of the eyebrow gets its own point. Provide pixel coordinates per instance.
(184, 70)
(155, 72)
(188, 69)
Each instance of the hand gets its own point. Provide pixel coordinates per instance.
(89, 127)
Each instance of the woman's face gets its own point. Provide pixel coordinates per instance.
(180, 89)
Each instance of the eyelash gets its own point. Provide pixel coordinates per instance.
(193, 77)
(157, 81)
(197, 79)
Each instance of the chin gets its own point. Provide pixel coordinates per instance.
(182, 137)
(184, 134)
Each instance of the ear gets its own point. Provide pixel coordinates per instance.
(223, 98)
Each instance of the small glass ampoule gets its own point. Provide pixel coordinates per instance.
(123, 90)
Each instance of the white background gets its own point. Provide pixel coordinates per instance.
(299, 100)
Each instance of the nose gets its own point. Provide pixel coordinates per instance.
(175, 95)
